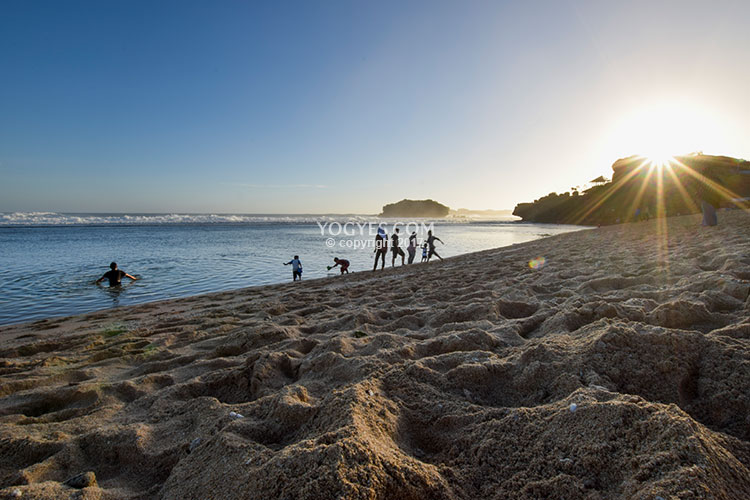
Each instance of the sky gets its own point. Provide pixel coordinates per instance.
(344, 106)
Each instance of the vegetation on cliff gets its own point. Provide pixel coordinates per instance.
(641, 189)
(415, 208)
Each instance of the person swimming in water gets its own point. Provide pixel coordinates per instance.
(296, 268)
(115, 276)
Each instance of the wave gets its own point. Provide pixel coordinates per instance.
(72, 219)
(40, 219)
(29, 219)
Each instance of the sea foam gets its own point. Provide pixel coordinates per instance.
(29, 219)
(16, 219)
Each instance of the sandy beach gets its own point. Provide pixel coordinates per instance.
(620, 368)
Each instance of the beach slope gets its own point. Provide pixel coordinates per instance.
(618, 366)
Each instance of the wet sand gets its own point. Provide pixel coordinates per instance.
(618, 369)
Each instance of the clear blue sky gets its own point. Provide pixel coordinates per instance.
(309, 107)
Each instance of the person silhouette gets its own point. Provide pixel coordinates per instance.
(115, 275)
(395, 249)
(412, 248)
(381, 248)
(431, 242)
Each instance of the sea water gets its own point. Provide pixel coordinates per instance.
(49, 262)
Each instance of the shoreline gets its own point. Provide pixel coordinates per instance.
(38, 297)
(288, 282)
(619, 369)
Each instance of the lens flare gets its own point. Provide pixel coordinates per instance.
(659, 161)
(537, 263)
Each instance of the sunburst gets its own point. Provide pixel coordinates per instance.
(659, 160)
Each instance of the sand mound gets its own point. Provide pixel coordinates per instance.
(621, 369)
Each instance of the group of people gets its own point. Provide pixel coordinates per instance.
(115, 275)
(381, 248)
(381, 251)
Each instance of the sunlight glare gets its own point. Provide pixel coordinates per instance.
(663, 130)
(659, 160)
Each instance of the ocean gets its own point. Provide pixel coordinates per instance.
(49, 261)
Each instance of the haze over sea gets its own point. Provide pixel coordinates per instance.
(49, 261)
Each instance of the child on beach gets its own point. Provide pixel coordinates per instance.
(296, 268)
(340, 262)
(424, 252)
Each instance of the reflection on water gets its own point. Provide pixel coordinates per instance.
(114, 292)
(49, 271)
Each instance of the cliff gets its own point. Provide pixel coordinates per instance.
(641, 190)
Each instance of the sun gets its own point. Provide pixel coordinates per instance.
(661, 130)
(659, 159)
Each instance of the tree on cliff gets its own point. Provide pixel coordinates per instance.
(636, 185)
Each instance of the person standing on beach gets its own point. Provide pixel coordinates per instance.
(296, 268)
(381, 248)
(395, 249)
(115, 275)
(412, 248)
(710, 201)
(431, 242)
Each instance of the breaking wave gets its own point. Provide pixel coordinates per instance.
(28, 219)
(71, 219)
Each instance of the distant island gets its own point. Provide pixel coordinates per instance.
(639, 190)
(415, 208)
